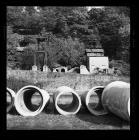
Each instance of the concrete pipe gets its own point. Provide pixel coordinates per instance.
(24, 97)
(92, 100)
(116, 99)
(10, 99)
(67, 101)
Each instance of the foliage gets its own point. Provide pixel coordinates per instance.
(73, 29)
(26, 59)
(122, 66)
(64, 51)
(12, 43)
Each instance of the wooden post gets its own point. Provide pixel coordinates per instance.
(35, 58)
(45, 58)
(45, 51)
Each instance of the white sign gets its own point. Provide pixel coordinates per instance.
(95, 50)
(98, 62)
(95, 54)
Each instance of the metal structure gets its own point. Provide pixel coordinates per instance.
(38, 51)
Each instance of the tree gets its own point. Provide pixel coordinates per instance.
(12, 43)
(73, 29)
(26, 59)
(108, 22)
(124, 32)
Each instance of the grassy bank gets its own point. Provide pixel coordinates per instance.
(50, 81)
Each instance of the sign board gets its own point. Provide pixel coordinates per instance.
(95, 50)
(95, 54)
(98, 62)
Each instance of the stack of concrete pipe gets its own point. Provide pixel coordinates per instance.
(114, 98)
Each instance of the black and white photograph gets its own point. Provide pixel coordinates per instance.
(68, 67)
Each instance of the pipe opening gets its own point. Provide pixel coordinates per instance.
(10, 94)
(9, 100)
(30, 100)
(68, 103)
(62, 70)
(93, 101)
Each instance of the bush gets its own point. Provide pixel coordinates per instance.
(26, 59)
(121, 66)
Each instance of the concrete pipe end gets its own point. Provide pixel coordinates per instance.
(93, 91)
(74, 106)
(21, 104)
(129, 107)
(12, 96)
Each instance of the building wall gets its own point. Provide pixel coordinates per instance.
(98, 62)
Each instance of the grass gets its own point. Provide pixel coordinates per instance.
(48, 119)
(17, 79)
